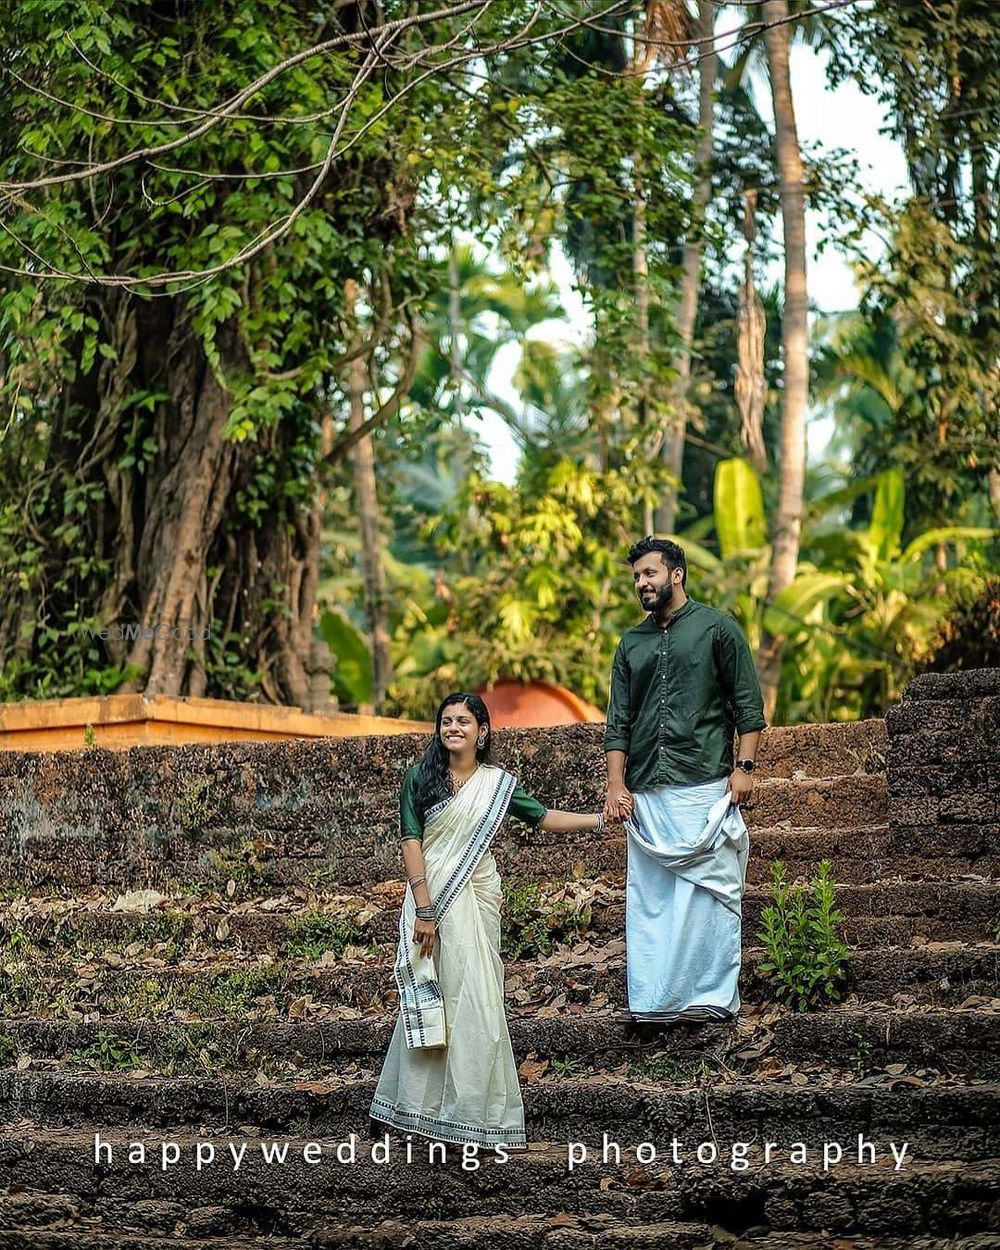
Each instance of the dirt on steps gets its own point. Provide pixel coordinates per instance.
(966, 909)
(908, 1197)
(939, 1121)
(556, 1232)
(223, 985)
(878, 1062)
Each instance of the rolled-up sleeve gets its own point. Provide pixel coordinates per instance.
(526, 807)
(738, 675)
(618, 733)
(410, 824)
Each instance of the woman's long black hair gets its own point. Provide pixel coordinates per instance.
(433, 781)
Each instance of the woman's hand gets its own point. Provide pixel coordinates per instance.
(618, 804)
(424, 933)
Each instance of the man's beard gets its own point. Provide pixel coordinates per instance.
(663, 599)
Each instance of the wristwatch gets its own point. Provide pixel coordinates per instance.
(747, 765)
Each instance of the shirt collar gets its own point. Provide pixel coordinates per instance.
(651, 622)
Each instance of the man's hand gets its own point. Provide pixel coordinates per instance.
(618, 804)
(740, 786)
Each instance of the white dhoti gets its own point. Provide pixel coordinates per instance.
(687, 859)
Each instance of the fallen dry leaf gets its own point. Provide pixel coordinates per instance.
(139, 900)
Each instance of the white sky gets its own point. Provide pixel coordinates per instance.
(844, 118)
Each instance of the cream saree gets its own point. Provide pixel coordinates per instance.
(450, 1073)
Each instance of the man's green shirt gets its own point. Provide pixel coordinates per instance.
(678, 693)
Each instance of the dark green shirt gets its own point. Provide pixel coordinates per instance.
(411, 824)
(677, 694)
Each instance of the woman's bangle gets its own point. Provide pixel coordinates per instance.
(416, 880)
(600, 823)
(426, 913)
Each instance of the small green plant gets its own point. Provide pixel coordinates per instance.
(15, 939)
(194, 806)
(89, 736)
(108, 1053)
(568, 1067)
(860, 1058)
(664, 1068)
(806, 963)
(234, 994)
(534, 924)
(313, 933)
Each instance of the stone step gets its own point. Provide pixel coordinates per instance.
(823, 750)
(877, 914)
(948, 1122)
(511, 1232)
(872, 1039)
(857, 854)
(211, 987)
(141, 811)
(344, 844)
(810, 802)
(856, 857)
(19, 1223)
(301, 1199)
(842, 1044)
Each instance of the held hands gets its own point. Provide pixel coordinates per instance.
(424, 934)
(740, 786)
(618, 804)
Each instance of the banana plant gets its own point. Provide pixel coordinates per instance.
(861, 606)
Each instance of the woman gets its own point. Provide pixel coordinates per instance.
(450, 1071)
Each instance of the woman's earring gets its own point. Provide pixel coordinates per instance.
(481, 742)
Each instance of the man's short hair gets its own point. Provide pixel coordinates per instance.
(672, 555)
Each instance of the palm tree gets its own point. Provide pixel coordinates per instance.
(672, 450)
(795, 341)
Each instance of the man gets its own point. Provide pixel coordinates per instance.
(682, 682)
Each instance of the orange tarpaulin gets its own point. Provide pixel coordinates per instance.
(536, 705)
(124, 720)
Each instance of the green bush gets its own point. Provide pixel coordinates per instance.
(535, 925)
(806, 964)
(311, 934)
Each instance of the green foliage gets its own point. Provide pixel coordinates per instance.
(534, 925)
(15, 939)
(934, 298)
(108, 1053)
(806, 962)
(970, 636)
(353, 678)
(312, 934)
(234, 994)
(863, 609)
(542, 565)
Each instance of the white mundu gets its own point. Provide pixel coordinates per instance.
(450, 1071)
(687, 858)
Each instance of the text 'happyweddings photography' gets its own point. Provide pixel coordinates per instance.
(737, 1156)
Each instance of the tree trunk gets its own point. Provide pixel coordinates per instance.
(672, 451)
(640, 285)
(750, 336)
(182, 516)
(794, 341)
(366, 500)
(197, 597)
